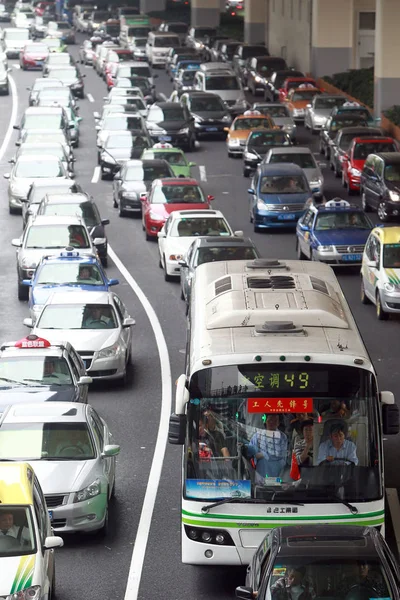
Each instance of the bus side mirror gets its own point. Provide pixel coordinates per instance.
(177, 429)
(390, 414)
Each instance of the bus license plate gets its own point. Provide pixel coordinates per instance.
(286, 217)
(352, 257)
(51, 515)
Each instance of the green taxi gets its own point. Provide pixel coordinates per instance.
(55, 44)
(74, 121)
(174, 156)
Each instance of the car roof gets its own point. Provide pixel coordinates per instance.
(33, 158)
(56, 220)
(343, 117)
(240, 117)
(52, 182)
(388, 235)
(389, 157)
(173, 150)
(43, 110)
(49, 412)
(48, 144)
(199, 94)
(85, 259)
(298, 89)
(223, 241)
(201, 214)
(68, 197)
(80, 297)
(290, 149)
(177, 181)
(281, 169)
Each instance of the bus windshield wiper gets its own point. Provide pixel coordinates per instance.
(206, 508)
(12, 381)
(334, 497)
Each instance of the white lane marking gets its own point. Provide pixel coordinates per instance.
(394, 506)
(90, 97)
(203, 173)
(142, 534)
(162, 97)
(16, 66)
(13, 119)
(96, 174)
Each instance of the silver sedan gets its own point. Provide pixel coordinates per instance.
(72, 452)
(319, 110)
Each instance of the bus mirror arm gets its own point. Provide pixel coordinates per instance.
(177, 429)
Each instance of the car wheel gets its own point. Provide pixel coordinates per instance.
(12, 210)
(327, 153)
(182, 295)
(121, 211)
(191, 144)
(103, 175)
(363, 297)
(299, 251)
(380, 313)
(52, 594)
(148, 237)
(167, 277)
(104, 261)
(312, 257)
(382, 214)
(113, 488)
(364, 203)
(321, 149)
(246, 173)
(23, 292)
(256, 228)
(160, 263)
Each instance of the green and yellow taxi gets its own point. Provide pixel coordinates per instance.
(55, 44)
(74, 120)
(174, 156)
(380, 271)
(26, 540)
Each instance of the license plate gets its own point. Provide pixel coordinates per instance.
(286, 217)
(51, 515)
(211, 128)
(352, 257)
(165, 138)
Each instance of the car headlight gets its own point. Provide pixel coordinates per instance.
(28, 263)
(394, 196)
(355, 172)
(184, 130)
(37, 308)
(389, 287)
(316, 182)
(319, 120)
(156, 217)
(258, 78)
(197, 119)
(110, 351)
(90, 491)
(30, 593)
(233, 142)
(261, 205)
(131, 195)
(326, 248)
(227, 119)
(289, 127)
(175, 256)
(250, 156)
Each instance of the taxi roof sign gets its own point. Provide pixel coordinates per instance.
(32, 341)
(16, 482)
(337, 204)
(162, 145)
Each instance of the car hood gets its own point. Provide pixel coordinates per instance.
(135, 186)
(210, 114)
(36, 55)
(81, 339)
(242, 134)
(393, 186)
(322, 112)
(118, 153)
(15, 571)
(285, 198)
(60, 477)
(299, 103)
(41, 293)
(230, 95)
(172, 125)
(342, 237)
(179, 245)
(36, 394)
(166, 209)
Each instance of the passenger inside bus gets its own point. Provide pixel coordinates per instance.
(269, 448)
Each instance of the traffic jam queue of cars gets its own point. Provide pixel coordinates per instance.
(53, 443)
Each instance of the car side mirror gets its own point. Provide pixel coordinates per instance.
(28, 322)
(97, 127)
(85, 380)
(210, 198)
(161, 234)
(177, 429)
(96, 115)
(27, 282)
(308, 105)
(128, 322)
(111, 450)
(6, 175)
(251, 191)
(244, 592)
(16, 242)
(238, 233)
(183, 263)
(304, 227)
(53, 541)
(192, 164)
(226, 129)
(17, 143)
(16, 127)
(372, 264)
(113, 282)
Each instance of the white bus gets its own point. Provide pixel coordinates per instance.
(278, 413)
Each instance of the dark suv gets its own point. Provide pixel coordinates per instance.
(342, 142)
(170, 122)
(258, 70)
(380, 184)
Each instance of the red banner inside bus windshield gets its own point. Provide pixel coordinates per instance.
(278, 405)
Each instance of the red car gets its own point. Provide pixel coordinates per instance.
(33, 56)
(41, 7)
(167, 195)
(116, 55)
(356, 156)
(295, 82)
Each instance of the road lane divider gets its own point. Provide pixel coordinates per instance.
(90, 97)
(14, 114)
(203, 173)
(96, 174)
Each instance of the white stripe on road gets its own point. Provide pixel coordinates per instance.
(13, 119)
(394, 507)
(90, 97)
(96, 174)
(16, 66)
(143, 531)
(203, 173)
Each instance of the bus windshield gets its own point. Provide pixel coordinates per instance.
(283, 432)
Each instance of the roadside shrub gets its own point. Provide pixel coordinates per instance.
(393, 114)
(358, 83)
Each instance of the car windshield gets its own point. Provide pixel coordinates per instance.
(136, 102)
(170, 113)
(361, 112)
(178, 28)
(304, 95)
(113, 30)
(120, 122)
(136, 31)
(46, 441)
(223, 253)
(165, 42)
(342, 220)
(140, 70)
(118, 141)
(335, 125)
(321, 577)
(38, 192)
(52, 136)
(78, 316)
(120, 57)
(54, 150)
(85, 210)
(324, 102)
(41, 84)
(188, 76)
(391, 256)
(52, 43)
(39, 48)
(361, 151)
(140, 42)
(392, 172)
(283, 184)
(201, 32)
(145, 172)
(66, 75)
(39, 168)
(190, 227)
(253, 123)
(206, 104)
(274, 111)
(19, 518)
(267, 66)
(249, 51)
(173, 158)
(57, 236)
(61, 96)
(177, 194)
(62, 58)
(68, 273)
(263, 409)
(266, 138)
(27, 370)
(35, 121)
(16, 35)
(222, 82)
(346, 138)
(304, 160)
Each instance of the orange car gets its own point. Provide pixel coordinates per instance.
(239, 130)
(297, 100)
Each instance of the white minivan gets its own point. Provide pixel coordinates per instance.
(158, 45)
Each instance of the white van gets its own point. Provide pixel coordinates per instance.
(158, 45)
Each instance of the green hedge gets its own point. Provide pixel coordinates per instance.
(359, 83)
(393, 114)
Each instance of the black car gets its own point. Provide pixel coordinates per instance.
(209, 112)
(133, 180)
(341, 143)
(228, 50)
(380, 184)
(243, 53)
(171, 122)
(84, 206)
(119, 147)
(322, 561)
(147, 89)
(331, 128)
(198, 37)
(258, 70)
(271, 91)
(213, 249)
(257, 145)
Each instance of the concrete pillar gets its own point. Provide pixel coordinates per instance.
(331, 36)
(149, 6)
(222, 6)
(387, 51)
(205, 13)
(254, 21)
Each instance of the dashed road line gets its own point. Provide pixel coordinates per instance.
(96, 174)
(14, 112)
(90, 97)
(203, 173)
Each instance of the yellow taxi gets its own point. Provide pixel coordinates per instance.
(239, 131)
(380, 271)
(26, 540)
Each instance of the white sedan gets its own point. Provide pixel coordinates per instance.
(181, 229)
(97, 325)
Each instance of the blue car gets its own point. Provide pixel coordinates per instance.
(184, 64)
(66, 271)
(334, 233)
(278, 196)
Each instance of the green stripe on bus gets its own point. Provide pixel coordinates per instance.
(271, 524)
(379, 513)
